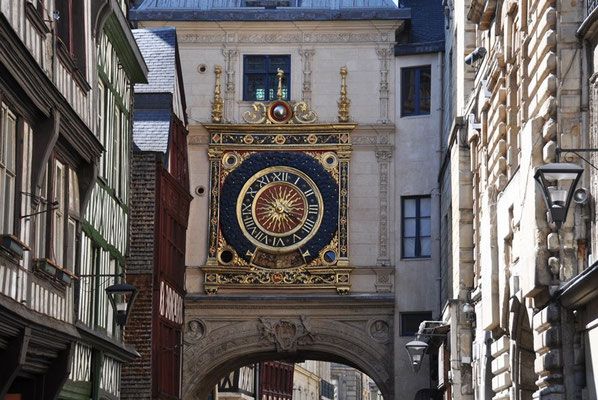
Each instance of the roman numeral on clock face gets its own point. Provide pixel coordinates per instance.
(264, 180)
(280, 176)
(308, 225)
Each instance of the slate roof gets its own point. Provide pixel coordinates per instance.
(151, 129)
(158, 47)
(426, 28)
(153, 101)
(246, 10)
(427, 20)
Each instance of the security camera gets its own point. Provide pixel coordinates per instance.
(581, 196)
(475, 56)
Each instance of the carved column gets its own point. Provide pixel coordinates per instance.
(384, 55)
(306, 57)
(230, 57)
(214, 156)
(383, 157)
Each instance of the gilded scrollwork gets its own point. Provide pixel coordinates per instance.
(257, 116)
(302, 114)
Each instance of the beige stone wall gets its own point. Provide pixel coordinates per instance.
(518, 104)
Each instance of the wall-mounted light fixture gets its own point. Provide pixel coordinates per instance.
(558, 182)
(121, 296)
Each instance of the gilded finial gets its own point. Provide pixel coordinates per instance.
(279, 75)
(343, 103)
(218, 103)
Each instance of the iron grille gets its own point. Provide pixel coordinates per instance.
(592, 4)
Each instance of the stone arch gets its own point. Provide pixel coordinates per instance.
(362, 339)
(522, 352)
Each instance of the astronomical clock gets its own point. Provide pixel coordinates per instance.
(278, 200)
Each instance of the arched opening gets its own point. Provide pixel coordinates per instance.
(523, 355)
(306, 380)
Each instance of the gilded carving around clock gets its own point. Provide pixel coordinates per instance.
(278, 215)
(286, 209)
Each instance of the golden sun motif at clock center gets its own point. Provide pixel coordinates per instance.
(279, 209)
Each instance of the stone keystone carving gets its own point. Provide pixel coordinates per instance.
(286, 334)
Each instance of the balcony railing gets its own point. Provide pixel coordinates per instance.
(592, 4)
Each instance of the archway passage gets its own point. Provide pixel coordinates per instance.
(227, 332)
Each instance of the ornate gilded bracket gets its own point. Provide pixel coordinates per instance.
(344, 102)
(218, 103)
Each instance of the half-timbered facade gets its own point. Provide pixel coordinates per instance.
(104, 240)
(159, 211)
(55, 323)
(48, 153)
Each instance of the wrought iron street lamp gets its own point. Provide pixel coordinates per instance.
(558, 181)
(416, 350)
(121, 296)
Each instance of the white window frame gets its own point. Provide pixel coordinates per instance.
(8, 169)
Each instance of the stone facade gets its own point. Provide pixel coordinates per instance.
(511, 109)
(393, 157)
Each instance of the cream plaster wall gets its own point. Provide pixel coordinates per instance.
(416, 162)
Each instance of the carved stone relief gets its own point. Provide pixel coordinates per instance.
(307, 57)
(292, 37)
(286, 334)
(383, 157)
(384, 55)
(230, 57)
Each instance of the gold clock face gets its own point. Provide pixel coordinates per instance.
(279, 209)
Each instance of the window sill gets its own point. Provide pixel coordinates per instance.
(13, 245)
(423, 258)
(71, 65)
(416, 116)
(50, 269)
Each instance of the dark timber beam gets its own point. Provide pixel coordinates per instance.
(58, 373)
(13, 358)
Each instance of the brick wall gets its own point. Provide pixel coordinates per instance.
(137, 376)
(143, 208)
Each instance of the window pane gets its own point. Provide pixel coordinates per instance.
(426, 247)
(424, 227)
(408, 247)
(281, 62)
(424, 90)
(10, 141)
(409, 208)
(73, 193)
(72, 231)
(408, 91)
(9, 196)
(409, 227)
(425, 204)
(273, 86)
(256, 87)
(255, 64)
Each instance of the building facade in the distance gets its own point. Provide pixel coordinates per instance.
(159, 210)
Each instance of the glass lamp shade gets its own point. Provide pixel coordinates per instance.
(416, 350)
(558, 182)
(121, 296)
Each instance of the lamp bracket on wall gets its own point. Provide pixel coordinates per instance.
(560, 150)
(121, 275)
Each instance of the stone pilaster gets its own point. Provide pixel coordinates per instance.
(307, 56)
(385, 56)
(230, 56)
(384, 157)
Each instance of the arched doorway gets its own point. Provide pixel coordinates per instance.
(523, 355)
(227, 332)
